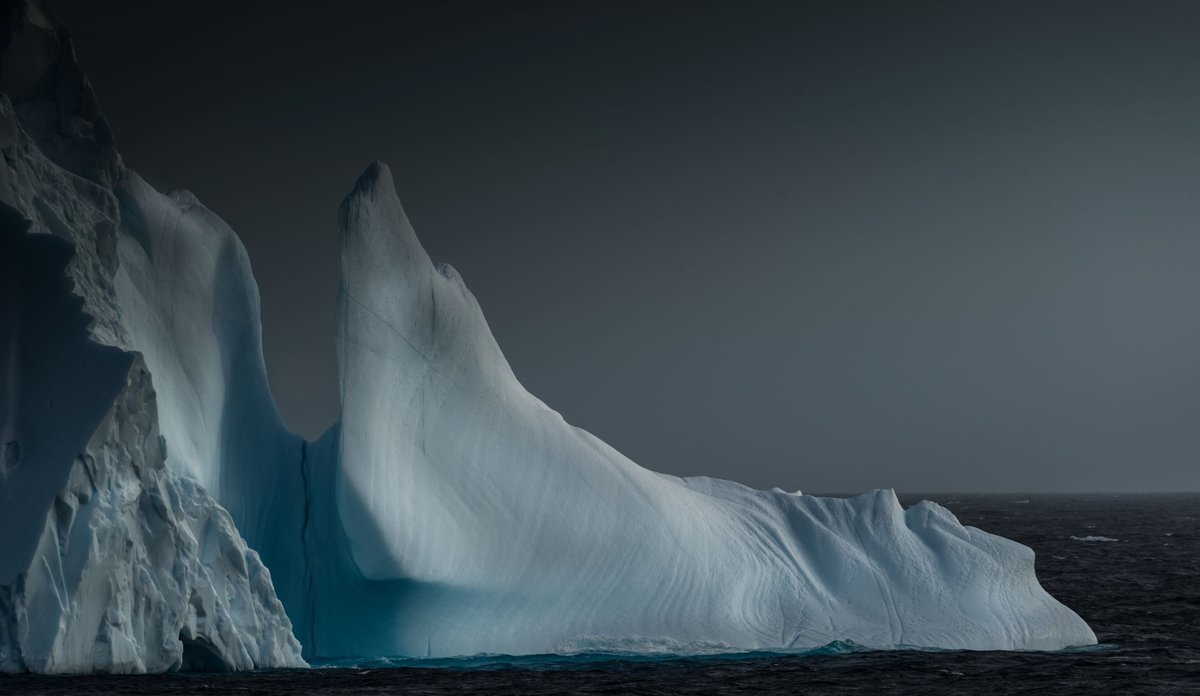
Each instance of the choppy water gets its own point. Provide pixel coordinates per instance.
(1130, 565)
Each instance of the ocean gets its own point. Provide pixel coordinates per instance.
(1128, 564)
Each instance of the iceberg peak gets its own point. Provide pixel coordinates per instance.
(376, 177)
(373, 225)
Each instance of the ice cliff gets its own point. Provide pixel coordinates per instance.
(110, 561)
(447, 512)
(114, 556)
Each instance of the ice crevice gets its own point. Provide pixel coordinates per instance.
(306, 542)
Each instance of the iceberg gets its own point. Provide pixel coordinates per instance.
(475, 519)
(172, 521)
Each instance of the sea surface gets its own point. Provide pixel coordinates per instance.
(1128, 564)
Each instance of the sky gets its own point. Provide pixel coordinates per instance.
(821, 246)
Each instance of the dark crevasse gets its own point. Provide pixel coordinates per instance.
(309, 620)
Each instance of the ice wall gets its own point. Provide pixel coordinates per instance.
(109, 562)
(114, 556)
(189, 304)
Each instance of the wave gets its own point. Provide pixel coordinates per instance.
(598, 649)
(610, 650)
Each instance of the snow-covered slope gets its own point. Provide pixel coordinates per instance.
(448, 512)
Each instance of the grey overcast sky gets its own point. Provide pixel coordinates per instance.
(827, 246)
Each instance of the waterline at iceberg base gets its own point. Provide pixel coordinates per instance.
(448, 512)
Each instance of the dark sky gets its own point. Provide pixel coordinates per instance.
(820, 246)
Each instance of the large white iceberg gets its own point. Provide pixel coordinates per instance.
(448, 511)
(472, 518)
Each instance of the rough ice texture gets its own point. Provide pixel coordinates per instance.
(132, 567)
(110, 559)
(62, 160)
(137, 569)
(449, 511)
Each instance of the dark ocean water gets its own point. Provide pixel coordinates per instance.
(1140, 593)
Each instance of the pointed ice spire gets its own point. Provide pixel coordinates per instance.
(374, 226)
